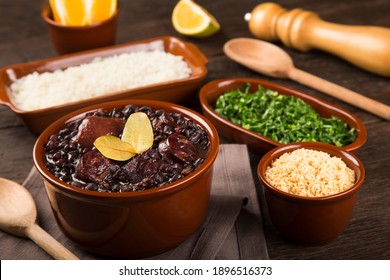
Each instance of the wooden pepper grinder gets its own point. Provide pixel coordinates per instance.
(367, 47)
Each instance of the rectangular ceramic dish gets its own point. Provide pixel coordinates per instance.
(210, 92)
(175, 91)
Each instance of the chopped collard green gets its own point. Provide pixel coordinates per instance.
(282, 118)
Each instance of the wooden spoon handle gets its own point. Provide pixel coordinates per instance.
(349, 96)
(49, 244)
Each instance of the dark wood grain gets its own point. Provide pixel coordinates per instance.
(24, 37)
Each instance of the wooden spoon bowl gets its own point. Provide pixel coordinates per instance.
(18, 216)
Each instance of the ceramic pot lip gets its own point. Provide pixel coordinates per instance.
(352, 162)
(46, 15)
(38, 152)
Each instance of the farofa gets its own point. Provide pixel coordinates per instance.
(310, 173)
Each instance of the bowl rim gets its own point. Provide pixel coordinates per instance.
(155, 192)
(319, 146)
(215, 86)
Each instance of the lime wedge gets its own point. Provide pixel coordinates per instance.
(190, 19)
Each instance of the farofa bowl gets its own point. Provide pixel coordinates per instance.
(133, 224)
(211, 91)
(310, 220)
(175, 91)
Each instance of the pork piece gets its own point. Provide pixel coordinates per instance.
(178, 147)
(93, 127)
(94, 167)
(142, 166)
(128, 172)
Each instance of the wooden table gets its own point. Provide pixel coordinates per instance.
(24, 37)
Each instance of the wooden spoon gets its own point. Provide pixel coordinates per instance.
(268, 59)
(18, 216)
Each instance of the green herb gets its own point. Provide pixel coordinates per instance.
(282, 118)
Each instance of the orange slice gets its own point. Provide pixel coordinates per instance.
(82, 12)
(99, 10)
(68, 12)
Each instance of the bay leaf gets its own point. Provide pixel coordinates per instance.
(138, 132)
(113, 147)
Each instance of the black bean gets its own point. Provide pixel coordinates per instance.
(159, 177)
(116, 113)
(168, 130)
(175, 177)
(56, 156)
(64, 131)
(166, 168)
(129, 109)
(186, 132)
(187, 170)
(124, 188)
(198, 162)
(159, 112)
(115, 188)
(91, 187)
(195, 136)
(65, 178)
(73, 146)
(77, 184)
(73, 133)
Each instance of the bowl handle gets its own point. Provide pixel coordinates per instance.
(194, 49)
(4, 100)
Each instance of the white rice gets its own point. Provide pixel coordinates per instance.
(99, 77)
(310, 173)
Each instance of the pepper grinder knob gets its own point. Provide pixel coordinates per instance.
(367, 47)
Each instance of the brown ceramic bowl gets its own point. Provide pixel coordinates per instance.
(210, 92)
(70, 39)
(130, 224)
(175, 91)
(311, 220)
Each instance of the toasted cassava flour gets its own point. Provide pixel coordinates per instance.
(99, 77)
(310, 173)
